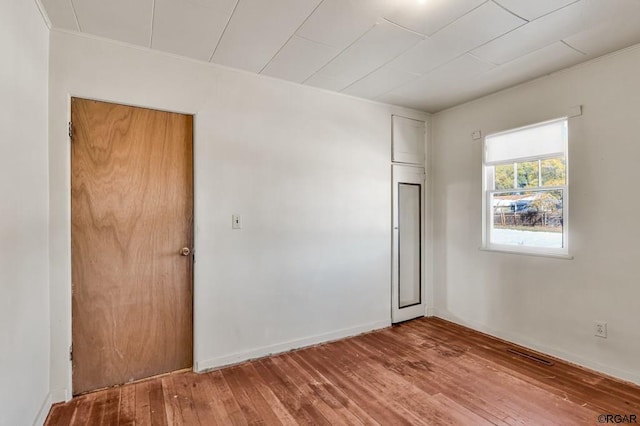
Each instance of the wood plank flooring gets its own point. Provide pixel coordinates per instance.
(426, 371)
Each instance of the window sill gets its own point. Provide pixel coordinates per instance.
(528, 253)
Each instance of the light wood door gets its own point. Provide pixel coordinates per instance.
(407, 283)
(131, 214)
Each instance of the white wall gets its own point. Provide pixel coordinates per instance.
(24, 264)
(308, 170)
(544, 303)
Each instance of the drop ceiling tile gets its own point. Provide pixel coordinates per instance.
(299, 59)
(339, 23)
(380, 81)
(543, 61)
(607, 37)
(472, 30)
(189, 28)
(428, 17)
(60, 14)
(531, 10)
(258, 29)
(533, 65)
(554, 27)
(378, 46)
(438, 87)
(122, 20)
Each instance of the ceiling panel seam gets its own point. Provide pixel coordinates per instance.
(402, 27)
(459, 17)
(558, 9)
(574, 48)
(340, 53)
(510, 11)
(75, 15)
(389, 61)
(496, 38)
(224, 30)
(291, 36)
(470, 53)
(314, 41)
(422, 75)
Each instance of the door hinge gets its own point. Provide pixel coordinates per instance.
(71, 353)
(71, 130)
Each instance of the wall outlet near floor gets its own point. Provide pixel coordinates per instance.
(600, 329)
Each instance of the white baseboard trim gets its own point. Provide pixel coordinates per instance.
(226, 360)
(59, 395)
(44, 411)
(558, 353)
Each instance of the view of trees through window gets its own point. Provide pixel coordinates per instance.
(527, 202)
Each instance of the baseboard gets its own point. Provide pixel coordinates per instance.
(59, 395)
(226, 360)
(569, 357)
(44, 411)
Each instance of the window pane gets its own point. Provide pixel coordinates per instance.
(553, 171)
(527, 174)
(504, 176)
(409, 251)
(528, 218)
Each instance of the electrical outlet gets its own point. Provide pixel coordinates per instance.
(601, 329)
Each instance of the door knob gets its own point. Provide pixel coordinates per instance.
(185, 251)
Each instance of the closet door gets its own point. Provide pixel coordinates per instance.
(408, 293)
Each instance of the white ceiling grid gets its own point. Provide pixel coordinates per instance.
(425, 54)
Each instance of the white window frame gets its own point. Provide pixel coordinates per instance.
(487, 215)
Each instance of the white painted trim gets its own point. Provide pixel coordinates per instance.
(44, 411)
(43, 13)
(574, 111)
(570, 357)
(414, 174)
(226, 360)
(60, 395)
(510, 250)
(129, 104)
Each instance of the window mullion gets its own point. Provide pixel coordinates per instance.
(539, 172)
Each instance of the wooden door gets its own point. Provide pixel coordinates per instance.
(407, 283)
(131, 214)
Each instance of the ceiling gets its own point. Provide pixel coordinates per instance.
(423, 54)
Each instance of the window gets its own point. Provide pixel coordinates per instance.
(526, 189)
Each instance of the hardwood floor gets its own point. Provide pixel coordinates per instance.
(426, 371)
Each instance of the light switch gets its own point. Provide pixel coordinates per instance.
(236, 221)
